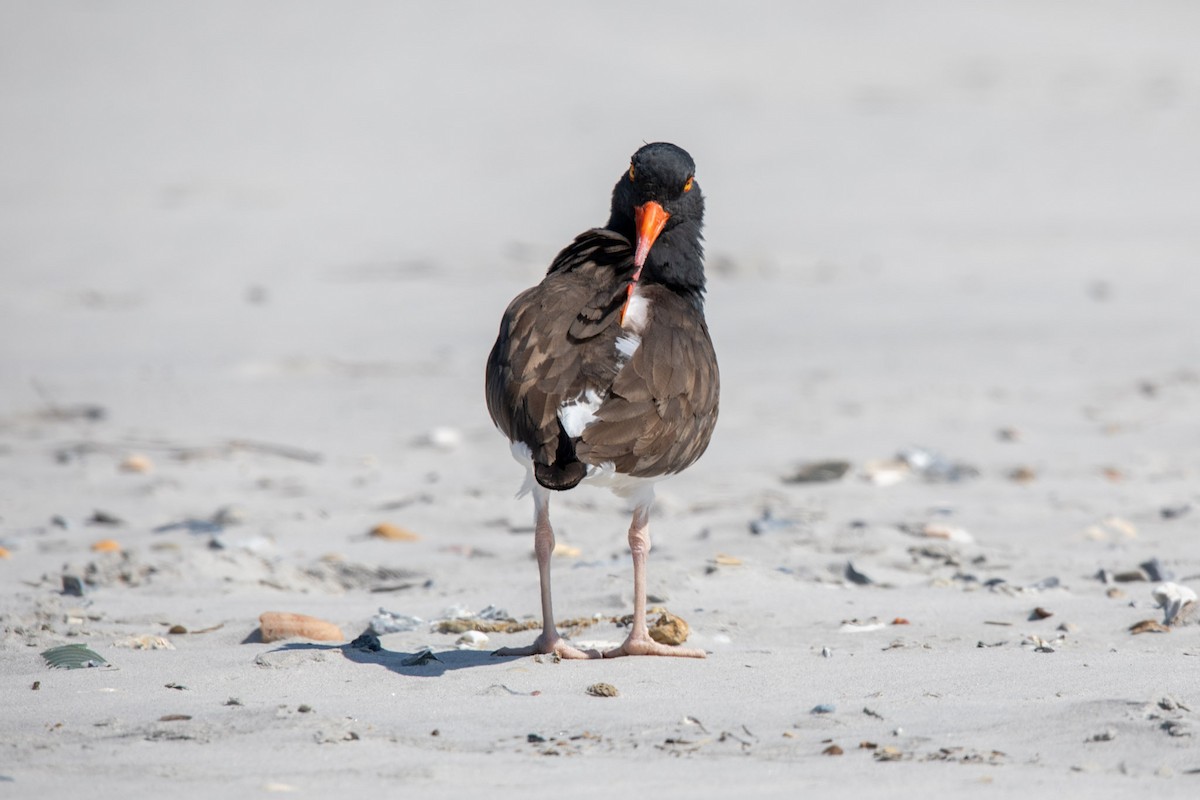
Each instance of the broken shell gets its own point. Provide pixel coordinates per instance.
(146, 642)
(669, 629)
(1148, 626)
(727, 561)
(276, 625)
(472, 640)
(106, 546)
(832, 750)
(393, 533)
(1173, 599)
(602, 690)
(136, 462)
(564, 550)
(952, 533)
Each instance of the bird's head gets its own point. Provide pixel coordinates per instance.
(657, 203)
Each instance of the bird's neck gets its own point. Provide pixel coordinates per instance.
(676, 261)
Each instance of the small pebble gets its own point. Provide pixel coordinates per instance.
(823, 708)
(832, 750)
(1040, 613)
(602, 690)
(106, 546)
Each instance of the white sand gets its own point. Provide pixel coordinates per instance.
(292, 225)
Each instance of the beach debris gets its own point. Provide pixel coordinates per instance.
(304, 708)
(1176, 601)
(1008, 434)
(669, 629)
(823, 708)
(99, 517)
(5, 552)
(145, 642)
(106, 546)
(1106, 735)
(885, 472)
(179, 687)
(277, 625)
(603, 690)
(1068, 627)
(136, 462)
(367, 642)
(73, 656)
(233, 701)
(1022, 474)
(564, 550)
(870, 712)
(1155, 571)
(832, 750)
(933, 467)
(1039, 613)
(826, 652)
(723, 560)
(72, 586)
(420, 659)
(858, 626)
(1041, 645)
(1148, 626)
(1174, 512)
(950, 533)
(819, 472)
(472, 640)
(174, 718)
(888, 753)
(851, 574)
(1115, 593)
(393, 533)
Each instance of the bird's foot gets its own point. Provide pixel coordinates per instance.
(548, 645)
(645, 646)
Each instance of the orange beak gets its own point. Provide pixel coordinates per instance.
(650, 219)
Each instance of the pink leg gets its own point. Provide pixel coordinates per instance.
(543, 547)
(639, 642)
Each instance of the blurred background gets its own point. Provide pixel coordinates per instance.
(206, 209)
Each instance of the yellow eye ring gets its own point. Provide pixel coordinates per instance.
(687, 187)
(631, 172)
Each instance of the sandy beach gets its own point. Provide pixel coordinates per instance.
(252, 260)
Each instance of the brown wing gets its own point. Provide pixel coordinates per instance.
(556, 341)
(661, 410)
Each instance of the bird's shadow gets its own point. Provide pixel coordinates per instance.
(421, 664)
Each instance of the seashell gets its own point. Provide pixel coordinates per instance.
(727, 561)
(1173, 599)
(276, 625)
(136, 462)
(669, 629)
(73, 656)
(832, 750)
(603, 690)
(472, 640)
(106, 546)
(1148, 626)
(393, 533)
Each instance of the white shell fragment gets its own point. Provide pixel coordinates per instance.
(1174, 599)
(472, 640)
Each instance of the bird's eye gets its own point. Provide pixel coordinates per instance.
(631, 172)
(687, 187)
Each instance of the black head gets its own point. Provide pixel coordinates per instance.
(658, 206)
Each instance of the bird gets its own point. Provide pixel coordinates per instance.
(605, 374)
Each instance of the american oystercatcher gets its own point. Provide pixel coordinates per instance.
(604, 373)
